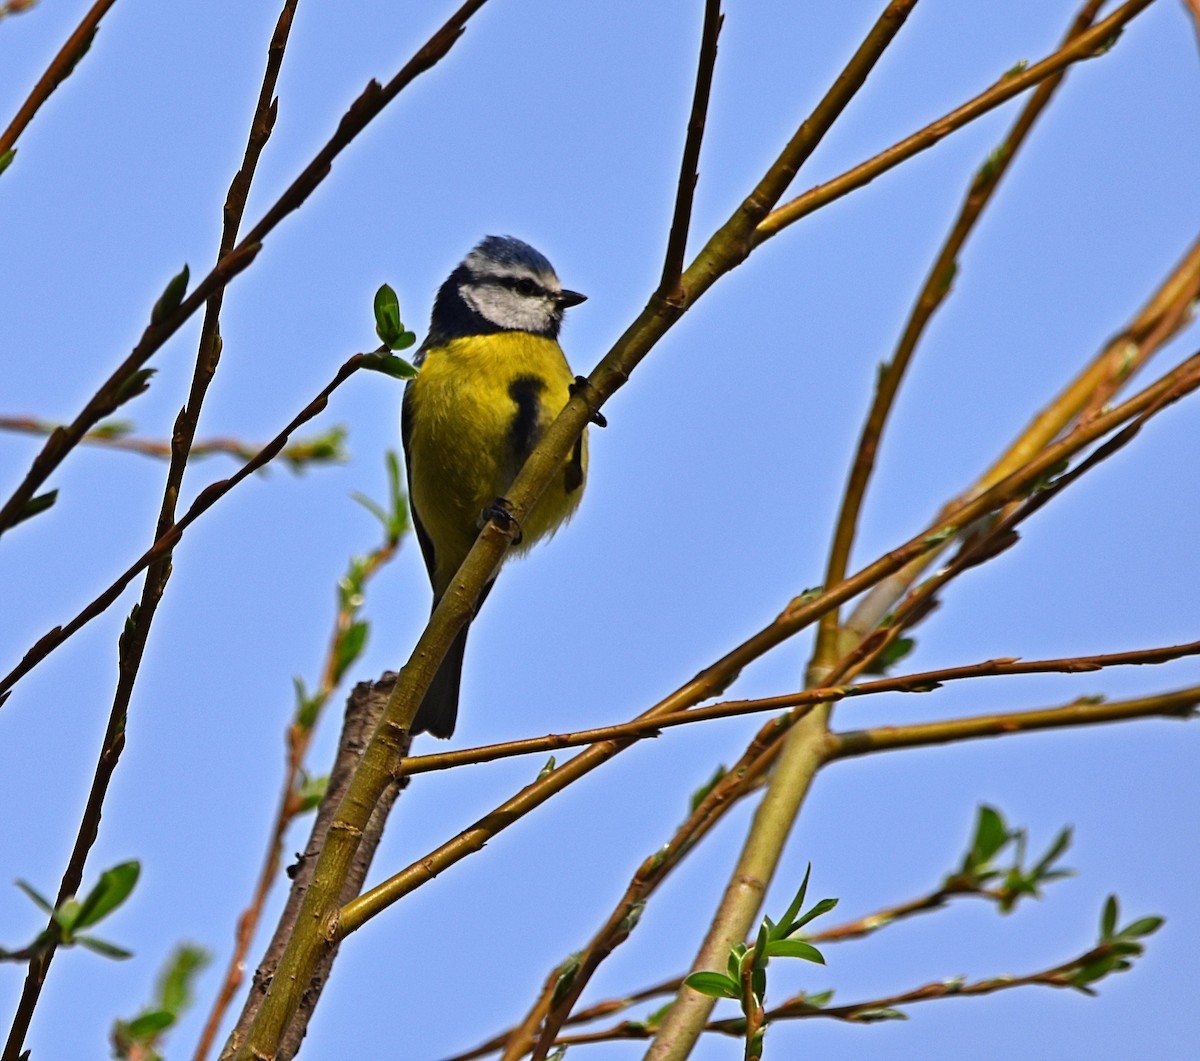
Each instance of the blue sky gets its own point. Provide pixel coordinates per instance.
(710, 502)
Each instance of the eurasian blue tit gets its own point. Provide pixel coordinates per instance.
(492, 378)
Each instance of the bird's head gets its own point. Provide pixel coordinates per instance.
(502, 285)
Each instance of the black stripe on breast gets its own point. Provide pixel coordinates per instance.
(524, 431)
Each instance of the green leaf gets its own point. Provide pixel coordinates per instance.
(697, 797)
(134, 384)
(940, 537)
(630, 920)
(65, 915)
(1108, 920)
(758, 983)
(387, 316)
(567, 972)
(1144, 926)
(733, 964)
(113, 429)
(1041, 872)
(349, 647)
(38, 898)
(760, 946)
(794, 948)
(715, 985)
(396, 367)
(6, 158)
(110, 892)
(891, 655)
(148, 1025)
(653, 1020)
(171, 297)
(99, 946)
(880, 1013)
(307, 707)
(548, 769)
(176, 980)
(36, 505)
(1016, 68)
(989, 169)
(823, 907)
(376, 510)
(991, 834)
(312, 791)
(789, 918)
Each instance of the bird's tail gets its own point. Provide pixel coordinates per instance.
(439, 710)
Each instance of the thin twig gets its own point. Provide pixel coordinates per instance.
(799, 1008)
(1179, 704)
(922, 682)
(299, 453)
(163, 547)
(937, 286)
(800, 613)
(60, 68)
(1087, 45)
(1133, 345)
(669, 287)
(364, 706)
(113, 392)
(133, 640)
(325, 918)
(299, 738)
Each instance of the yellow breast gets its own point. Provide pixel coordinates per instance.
(477, 408)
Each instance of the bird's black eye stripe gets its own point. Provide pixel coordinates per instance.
(523, 285)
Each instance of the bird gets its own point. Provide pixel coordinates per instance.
(491, 379)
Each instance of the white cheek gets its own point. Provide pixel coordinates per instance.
(506, 309)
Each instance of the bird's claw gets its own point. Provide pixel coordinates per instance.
(580, 383)
(500, 513)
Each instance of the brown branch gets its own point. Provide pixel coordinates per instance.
(137, 630)
(299, 738)
(1141, 338)
(60, 68)
(163, 547)
(113, 392)
(1193, 8)
(364, 707)
(302, 451)
(669, 287)
(755, 762)
(324, 916)
(800, 613)
(937, 286)
(1086, 45)
(921, 682)
(799, 1008)
(1181, 704)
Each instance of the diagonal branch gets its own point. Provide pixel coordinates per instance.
(922, 682)
(61, 67)
(317, 449)
(163, 546)
(115, 390)
(1180, 704)
(937, 286)
(133, 640)
(1086, 45)
(669, 287)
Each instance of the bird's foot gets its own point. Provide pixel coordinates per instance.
(581, 383)
(500, 513)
